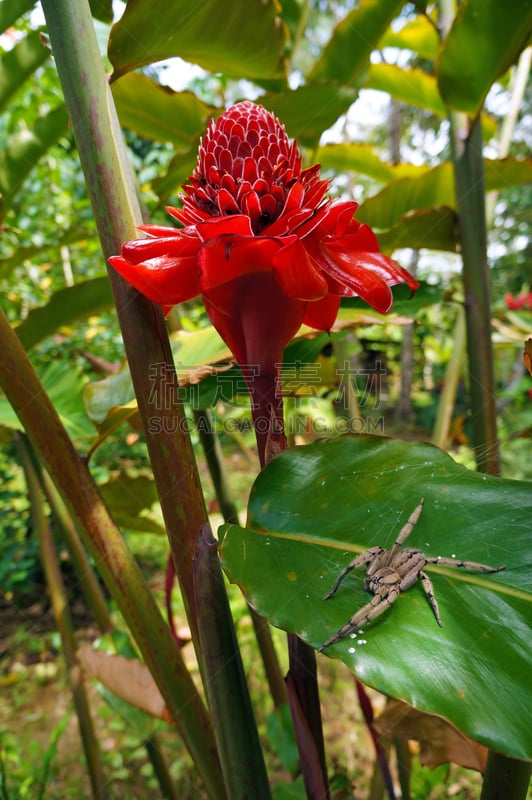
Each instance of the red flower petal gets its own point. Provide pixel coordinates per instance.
(296, 274)
(140, 250)
(226, 258)
(322, 313)
(235, 224)
(163, 280)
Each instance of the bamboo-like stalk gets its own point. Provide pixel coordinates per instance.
(505, 778)
(470, 198)
(96, 601)
(114, 560)
(86, 575)
(111, 191)
(450, 383)
(58, 596)
(214, 457)
(243, 779)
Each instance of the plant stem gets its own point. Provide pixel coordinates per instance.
(450, 383)
(470, 196)
(214, 457)
(115, 562)
(86, 575)
(110, 186)
(505, 778)
(468, 164)
(303, 697)
(58, 596)
(242, 761)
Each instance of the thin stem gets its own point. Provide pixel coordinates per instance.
(505, 778)
(240, 753)
(466, 143)
(110, 186)
(214, 457)
(58, 596)
(87, 578)
(113, 559)
(302, 680)
(450, 383)
(470, 195)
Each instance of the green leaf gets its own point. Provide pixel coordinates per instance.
(25, 149)
(21, 254)
(412, 86)
(11, 10)
(434, 188)
(64, 386)
(309, 110)
(485, 39)
(179, 169)
(102, 10)
(433, 229)
(65, 307)
(191, 352)
(238, 39)
(129, 498)
(362, 158)
(418, 35)
(156, 112)
(348, 51)
(17, 64)
(312, 509)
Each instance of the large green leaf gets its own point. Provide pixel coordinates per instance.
(309, 110)
(418, 35)
(362, 158)
(11, 10)
(314, 508)
(157, 112)
(25, 149)
(64, 386)
(21, 254)
(432, 229)
(19, 63)
(412, 86)
(65, 307)
(241, 39)
(436, 188)
(348, 51)
(485, 40)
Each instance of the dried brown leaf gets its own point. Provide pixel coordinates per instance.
(440, 742)
(127, 678)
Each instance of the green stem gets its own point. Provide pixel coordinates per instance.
(96, 602)
(86, 576)
(214, 457)
(450, 383)
(160, 768)
(470, 197)
(468, 164)
(114, 561)
(58, 596)
(505, 778)
(240, 753)
(110, 186)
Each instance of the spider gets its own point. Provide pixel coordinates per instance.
(390, 572)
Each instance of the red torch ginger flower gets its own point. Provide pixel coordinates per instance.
(262, 244)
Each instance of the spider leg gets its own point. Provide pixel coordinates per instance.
(453, 562)
(406, 530)
(374, 608)
(429, 591)
(363, 558)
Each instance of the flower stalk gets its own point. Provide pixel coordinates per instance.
(110, 187)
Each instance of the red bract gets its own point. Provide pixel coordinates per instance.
(261, 243)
